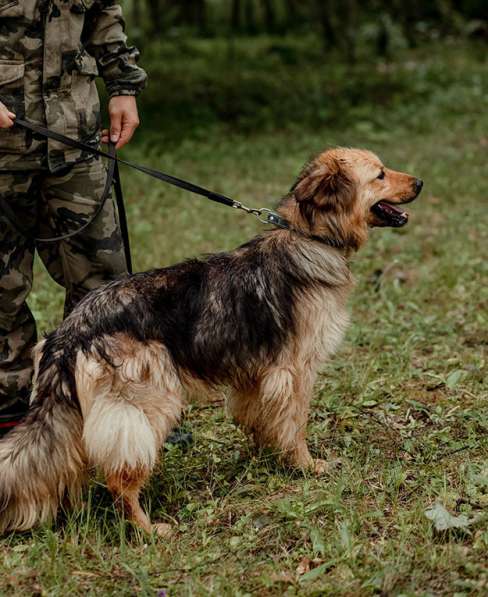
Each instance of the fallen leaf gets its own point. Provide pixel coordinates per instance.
(453, 378)
(443, 520)
(303, 567)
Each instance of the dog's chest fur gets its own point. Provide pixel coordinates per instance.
(321, 325)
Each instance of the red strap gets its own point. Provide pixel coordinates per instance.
(9, 424)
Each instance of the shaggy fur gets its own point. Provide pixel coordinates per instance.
(110, 382)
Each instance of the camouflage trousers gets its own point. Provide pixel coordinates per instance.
(49, 205)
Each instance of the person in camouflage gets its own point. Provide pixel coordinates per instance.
(50, 53)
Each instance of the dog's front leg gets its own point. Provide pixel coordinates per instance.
(276, 415)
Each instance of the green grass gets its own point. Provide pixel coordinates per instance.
(400, 413)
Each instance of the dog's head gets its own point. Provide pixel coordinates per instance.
(342, 192)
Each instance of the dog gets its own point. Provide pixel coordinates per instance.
(110, 382)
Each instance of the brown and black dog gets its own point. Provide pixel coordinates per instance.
(110, 382)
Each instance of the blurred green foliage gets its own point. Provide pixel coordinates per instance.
(337, 22)
(268, 83)
(254, 65)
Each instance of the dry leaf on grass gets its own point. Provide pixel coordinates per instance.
(443, 520)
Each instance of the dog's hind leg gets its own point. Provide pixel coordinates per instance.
(276, 415)
(125, 487)
(129, 408)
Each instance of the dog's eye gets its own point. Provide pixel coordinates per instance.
(381, 175)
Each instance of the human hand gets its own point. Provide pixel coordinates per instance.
(7, 117)
(124, 120)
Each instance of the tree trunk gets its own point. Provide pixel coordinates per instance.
(269, 15)
(292, 13)
(201, 16)
(383, 37)
(250, 16)
(351, 19)
(409, 16)
(235, 16)
(192, 13)
(155, 13)
(324, 10)
(136, 14)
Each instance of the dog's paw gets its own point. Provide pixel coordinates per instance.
(163, 530)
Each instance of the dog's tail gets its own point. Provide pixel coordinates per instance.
(42, 460)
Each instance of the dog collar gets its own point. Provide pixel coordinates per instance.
(268, 216)
(271, 217)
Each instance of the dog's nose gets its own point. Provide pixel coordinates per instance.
(418, 184)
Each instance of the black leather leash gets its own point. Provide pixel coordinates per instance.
(265, 215)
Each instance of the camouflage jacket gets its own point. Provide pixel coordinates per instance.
(51, 51)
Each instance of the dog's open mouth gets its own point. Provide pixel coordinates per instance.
(389, 215)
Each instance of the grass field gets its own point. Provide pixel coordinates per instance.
(400, 413)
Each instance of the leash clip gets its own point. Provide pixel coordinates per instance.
(248, 210)
(267, 216)
(263, 214)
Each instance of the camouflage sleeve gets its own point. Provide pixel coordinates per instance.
(107, 43)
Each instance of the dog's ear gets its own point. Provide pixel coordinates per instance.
(327, 185)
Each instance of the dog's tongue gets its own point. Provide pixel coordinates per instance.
(389, 214)
(390, 209)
